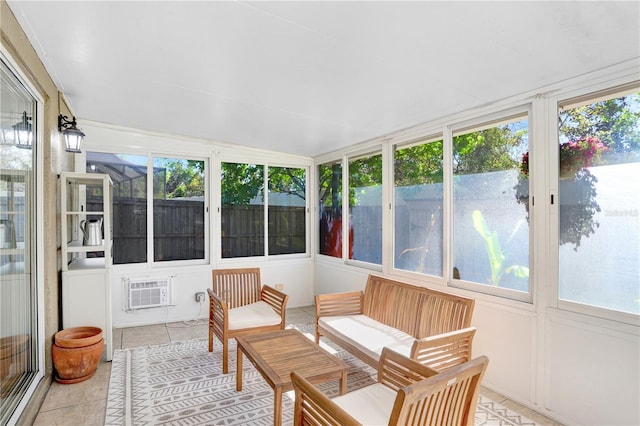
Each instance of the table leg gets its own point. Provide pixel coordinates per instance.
(277, 407)
(343, 383)
(239, 370)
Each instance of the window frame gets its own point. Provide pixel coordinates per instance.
(422, 140)
(151, 213)
(266, 164)
(150, 155)
(346, 214)
(561, 101)
(482, 122)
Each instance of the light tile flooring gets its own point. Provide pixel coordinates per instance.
(84, 404)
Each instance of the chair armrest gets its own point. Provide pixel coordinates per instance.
(276, 299)
(445, 350)
(397, 371)
(218, 310)
(314, 407)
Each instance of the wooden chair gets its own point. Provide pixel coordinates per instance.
(239, 305)
(407, 393)
(444, 351)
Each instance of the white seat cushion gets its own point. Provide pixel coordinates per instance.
(253, 315)
(368, 335)
(370, 405)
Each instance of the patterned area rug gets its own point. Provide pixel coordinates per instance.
(182, 384)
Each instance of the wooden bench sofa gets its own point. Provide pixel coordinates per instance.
(401, 316)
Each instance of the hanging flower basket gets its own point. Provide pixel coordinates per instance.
(577, 188)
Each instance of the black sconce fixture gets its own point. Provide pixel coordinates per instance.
(72, 135)
(22, 132)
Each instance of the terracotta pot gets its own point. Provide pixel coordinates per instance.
(78, 337)
(76, 353)
(12, 361)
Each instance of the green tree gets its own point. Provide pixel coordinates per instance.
(241, 182)
(614, 122)
(489, 150)
(184, 178)
(419, 164)
(288, 180)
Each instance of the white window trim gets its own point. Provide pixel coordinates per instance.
(479, 123)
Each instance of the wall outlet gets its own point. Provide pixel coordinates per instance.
(279, 287)
(200, 296)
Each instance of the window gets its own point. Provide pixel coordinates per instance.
(129, 176)
(177, 212)
(18, 275)
(243, 210)
(242, 217)
(330, 209)
(418, 202)
(599, 202)
(178, 209)
(287, 210)
(365, 209)
(490, 205)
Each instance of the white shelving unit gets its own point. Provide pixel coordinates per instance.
(86, 287)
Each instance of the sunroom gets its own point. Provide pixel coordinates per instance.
(485, 149)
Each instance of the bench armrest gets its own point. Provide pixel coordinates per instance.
(334, 304)
(348, 303)
(314, 407)
(397, 371)
(445, 350)
(276, 299)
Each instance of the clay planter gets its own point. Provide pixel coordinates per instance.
(12, 361)
(76, 352)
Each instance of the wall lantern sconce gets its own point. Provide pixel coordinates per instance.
(22, 134)
(72, 135)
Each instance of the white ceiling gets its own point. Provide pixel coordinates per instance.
(311, 77)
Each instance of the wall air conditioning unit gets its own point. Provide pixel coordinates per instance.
(149, 293)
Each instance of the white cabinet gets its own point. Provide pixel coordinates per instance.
(86, 301)
(86, 287)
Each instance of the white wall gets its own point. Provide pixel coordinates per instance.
(295, 275)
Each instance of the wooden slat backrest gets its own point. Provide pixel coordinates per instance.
(237, 287)
(418, 311)
(448, 398)
(444, 312)
(393, 303)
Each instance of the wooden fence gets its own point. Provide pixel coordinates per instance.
(178, 227)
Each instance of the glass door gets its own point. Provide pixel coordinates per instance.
(18, 300)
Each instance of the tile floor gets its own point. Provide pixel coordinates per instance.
(84, 404)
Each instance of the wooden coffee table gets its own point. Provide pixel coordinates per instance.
(276, 354)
